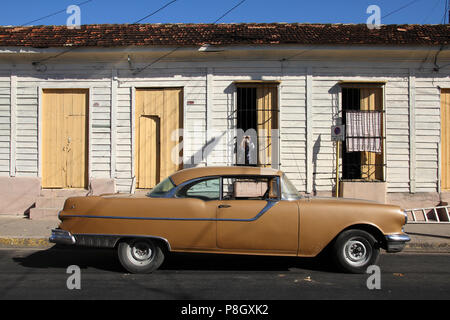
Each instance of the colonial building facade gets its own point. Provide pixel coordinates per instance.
(116, 108)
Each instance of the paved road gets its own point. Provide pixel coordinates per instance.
(41, 274)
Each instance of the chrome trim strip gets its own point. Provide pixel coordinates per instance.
(396, 242)
(62, 237)
(270, 204)
(120, 236)
(398, 238)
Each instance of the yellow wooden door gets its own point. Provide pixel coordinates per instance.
(158, 117)
(64, 138)
(149, 151)
(266, 105)
(372, 163)
(445, 139)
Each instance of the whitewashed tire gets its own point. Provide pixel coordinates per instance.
(355, 250)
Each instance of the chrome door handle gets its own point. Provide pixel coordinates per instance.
(224, 206)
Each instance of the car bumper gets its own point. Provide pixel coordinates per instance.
(60, 236)
(396, 242)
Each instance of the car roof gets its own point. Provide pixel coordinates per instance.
(199, 172)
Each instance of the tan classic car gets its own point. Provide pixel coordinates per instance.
(235, 210)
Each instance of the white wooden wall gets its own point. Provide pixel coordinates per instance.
(427, 126)
(309, 105)
(5, 123)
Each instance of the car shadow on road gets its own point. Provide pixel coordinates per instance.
(59, 257)
(232, 262)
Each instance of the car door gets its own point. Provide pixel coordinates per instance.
(194, 214)
(252, 218)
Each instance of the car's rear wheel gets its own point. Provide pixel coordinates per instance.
(355, 250)
(140, 255)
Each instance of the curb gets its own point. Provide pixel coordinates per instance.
(41, 242)
(439, 247)
(14, 242)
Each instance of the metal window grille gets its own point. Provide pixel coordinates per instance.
(362, 165)
(252, 141)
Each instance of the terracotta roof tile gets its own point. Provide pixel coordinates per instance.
(119, 35)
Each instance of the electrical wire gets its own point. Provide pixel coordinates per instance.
(156, 11)
(226, 13)
(172, 51)
(401, 8)
(446, 12)
(54, 14)
(36, 63)
(431, 11)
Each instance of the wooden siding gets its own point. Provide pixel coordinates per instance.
(427, 131)
(327, 108)
(209, 96)
(193, 82)
(29, 85)
(5, 124)
(445, 139)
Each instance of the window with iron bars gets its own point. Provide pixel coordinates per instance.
(256, 118)
(366, 102)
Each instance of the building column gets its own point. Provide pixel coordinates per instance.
(13, 121)
(412, 131)
(309, 131)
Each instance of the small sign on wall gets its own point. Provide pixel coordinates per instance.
(338, 133)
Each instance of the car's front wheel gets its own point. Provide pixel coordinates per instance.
(355, 250)
(140, 255)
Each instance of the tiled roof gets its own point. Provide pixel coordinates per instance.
(120, 35)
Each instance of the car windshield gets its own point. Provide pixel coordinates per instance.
(288, 190)
(161, 189)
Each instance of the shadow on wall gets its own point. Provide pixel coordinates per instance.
(316, 150)
(203, 153)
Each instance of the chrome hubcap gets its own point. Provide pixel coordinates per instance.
(356, 252)
(140, 252)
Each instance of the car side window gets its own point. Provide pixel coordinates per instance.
(205, 190)
(249, 188)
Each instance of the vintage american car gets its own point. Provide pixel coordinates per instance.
(234, 210)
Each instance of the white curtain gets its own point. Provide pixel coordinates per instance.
(363, 131)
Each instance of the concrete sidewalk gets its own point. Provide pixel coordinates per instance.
(16, 231)
(22, 232)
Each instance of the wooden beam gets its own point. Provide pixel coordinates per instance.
(309, 132)
(114, 86)
(13, 122)
(412, 131)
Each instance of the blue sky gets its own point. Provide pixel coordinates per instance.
(19, 12)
